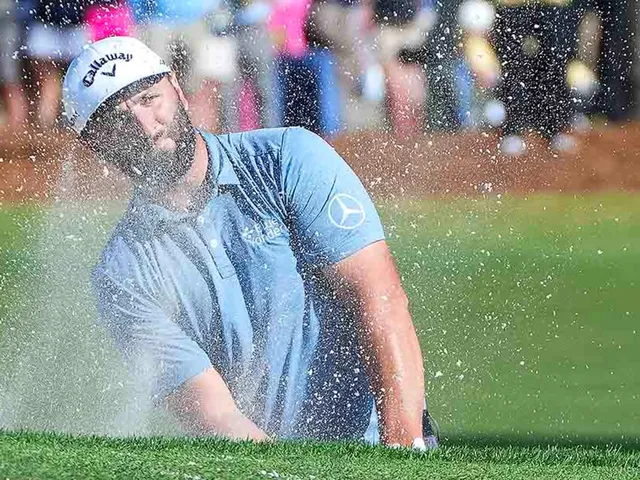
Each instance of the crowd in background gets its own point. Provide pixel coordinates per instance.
(409, 66)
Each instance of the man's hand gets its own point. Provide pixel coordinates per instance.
(204, 406)
(368, 284)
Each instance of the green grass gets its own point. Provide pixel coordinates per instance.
(56, 456)
(19, 230)
(526, 309)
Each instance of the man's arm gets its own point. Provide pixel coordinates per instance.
(204, 406)
(336, 223)
(181, 373)
(369, 285)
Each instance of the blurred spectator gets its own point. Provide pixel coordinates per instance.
(614, 68)
(460, 66)
(345, 28)
(635, 14)
(307, 92)
(439, 55)
(12, 37)
(182, 32)
(403, 24)
(477, 72)
(255, 87)
(109, 19)
(535, 41)
(55, 36)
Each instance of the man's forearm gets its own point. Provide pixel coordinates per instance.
(396, 372)
(204, 406)
(368, 284)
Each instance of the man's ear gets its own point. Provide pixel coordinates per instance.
(176, 86)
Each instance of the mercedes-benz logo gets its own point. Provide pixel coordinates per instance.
(346, 212)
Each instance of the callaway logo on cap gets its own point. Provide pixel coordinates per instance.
(102, 69)
(96, 66)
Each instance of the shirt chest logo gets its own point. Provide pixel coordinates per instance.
(261, 232)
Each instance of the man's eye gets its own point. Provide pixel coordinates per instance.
(148, 99)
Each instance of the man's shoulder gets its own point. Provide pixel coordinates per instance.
(253, 142)
(122, 250)
(266, 140)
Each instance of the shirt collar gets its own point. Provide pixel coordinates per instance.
(220, 169)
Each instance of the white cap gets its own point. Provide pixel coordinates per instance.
(102, 69)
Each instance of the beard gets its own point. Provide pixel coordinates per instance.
(151, 169)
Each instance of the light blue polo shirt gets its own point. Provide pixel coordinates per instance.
(238, 285)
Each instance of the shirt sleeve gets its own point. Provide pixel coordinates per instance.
(156, 349)
(329, 211)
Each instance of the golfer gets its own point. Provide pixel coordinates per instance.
(249, 273)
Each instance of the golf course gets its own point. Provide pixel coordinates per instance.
(526, 308)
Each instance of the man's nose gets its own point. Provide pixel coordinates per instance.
(148, 122)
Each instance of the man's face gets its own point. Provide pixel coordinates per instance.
(147, 133)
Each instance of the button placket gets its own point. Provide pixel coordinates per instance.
(212, 238)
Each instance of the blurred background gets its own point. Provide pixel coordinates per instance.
(551, 67)
(499, 140)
